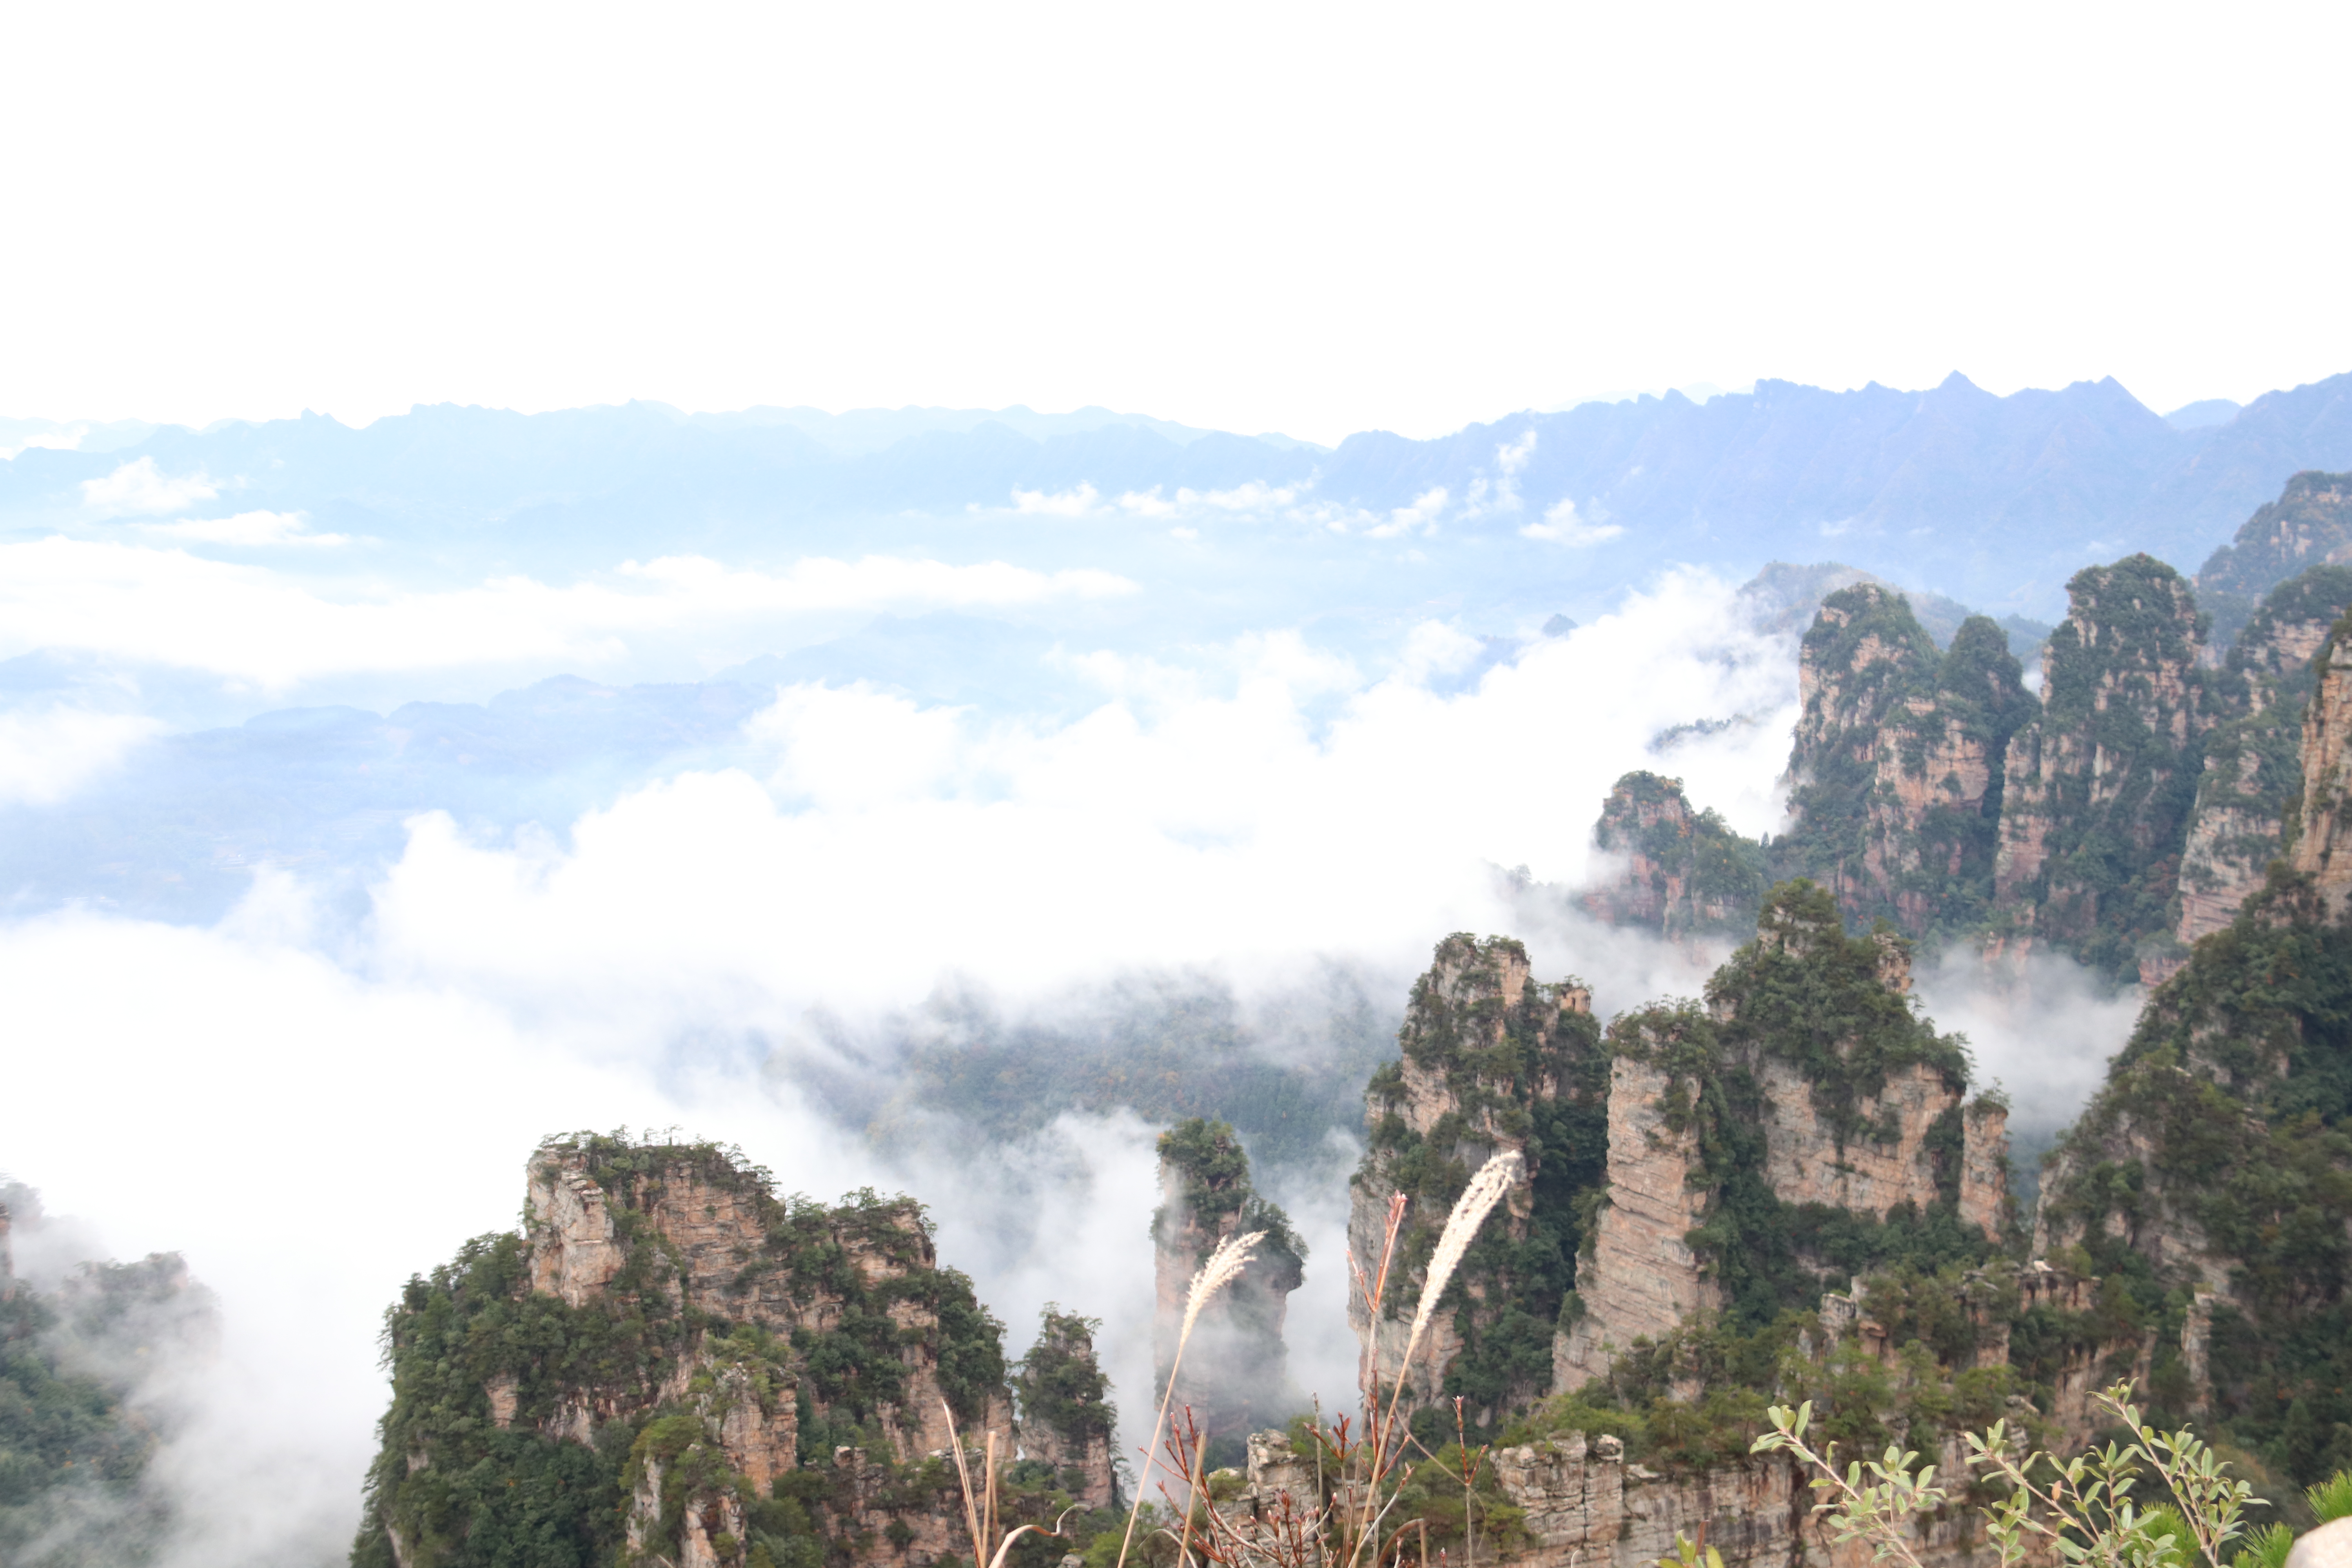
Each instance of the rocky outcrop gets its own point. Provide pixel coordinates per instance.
(1490, 1059)
(1583, 1504)
(665, 1332)
(1643, 1280)
(1898, 764)
(2110, 764)
(2322, 849)
(2252, 772)
(1678, 872)
(1234, 1374)
(1067, 1418)
(1874, 1120)
(2310, 524)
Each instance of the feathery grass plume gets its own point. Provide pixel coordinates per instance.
(1496, 1176)
(1224, 1265)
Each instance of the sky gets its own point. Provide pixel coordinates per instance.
(1312, 219)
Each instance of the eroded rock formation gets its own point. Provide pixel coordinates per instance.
(1807, 1075)
(1068, 1420)
(2322, 849)
(1897, 770)
(684, 1367)
(2100, 784)
(1490, 1061)
(1682, 872)
(1581, 1502)
(2254, 768)
(1234, 1374)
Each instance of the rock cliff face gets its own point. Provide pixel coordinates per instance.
(2252, 771)
(1235, 1375)
(2322, 849)
(2309, 525)
(1642, 1279)
(1896, 771)
(1067, 1418)
(1684, 872)
(2207, 1183)
(1490, 1059)
(2101, 784)
(1583, 1503)
(1809, 1083)
(669, 1362)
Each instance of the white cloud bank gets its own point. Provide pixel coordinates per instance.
(889, 844)
(311, 1116)
(169, 608)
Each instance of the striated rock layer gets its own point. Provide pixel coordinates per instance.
(1585, 1505)
(1896, 769)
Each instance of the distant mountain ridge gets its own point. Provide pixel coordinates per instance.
(1992, 500)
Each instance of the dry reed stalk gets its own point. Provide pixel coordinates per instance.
(988, 1512)
(1224, 1265)
(1496, 1177)
(963, 1478)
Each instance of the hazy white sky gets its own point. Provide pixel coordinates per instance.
(1315, 219)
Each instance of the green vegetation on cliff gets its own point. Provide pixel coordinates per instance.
(2310, 524)
(2217, 1159)
(1217, 1195)
(1525, 1074)
(1687, 872)
(595, 1401)
(1807, 995)
(1899, 762)
(77, 1432)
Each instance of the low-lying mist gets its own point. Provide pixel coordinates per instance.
(980, 960)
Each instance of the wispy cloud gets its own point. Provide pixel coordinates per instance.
(246, 527)
(140, 488)
(1560, 525)
(169, 608)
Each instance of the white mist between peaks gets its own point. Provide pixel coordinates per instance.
(890, 845)
(312, 1113)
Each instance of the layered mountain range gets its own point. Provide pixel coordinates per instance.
(1994, 498)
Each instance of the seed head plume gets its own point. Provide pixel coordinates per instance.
(1223, 1266)
(1496, 1177)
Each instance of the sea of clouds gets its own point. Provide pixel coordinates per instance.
(312, 1102)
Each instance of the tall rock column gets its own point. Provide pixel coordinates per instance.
(1067, 1417)
(2322, 849)
(1898, 764)
(2254, 762)
(1490, 1059)
(1236, 1375)
(1807, 1083)
(2100, 785)
(1680, 872)
(1641, 1280)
